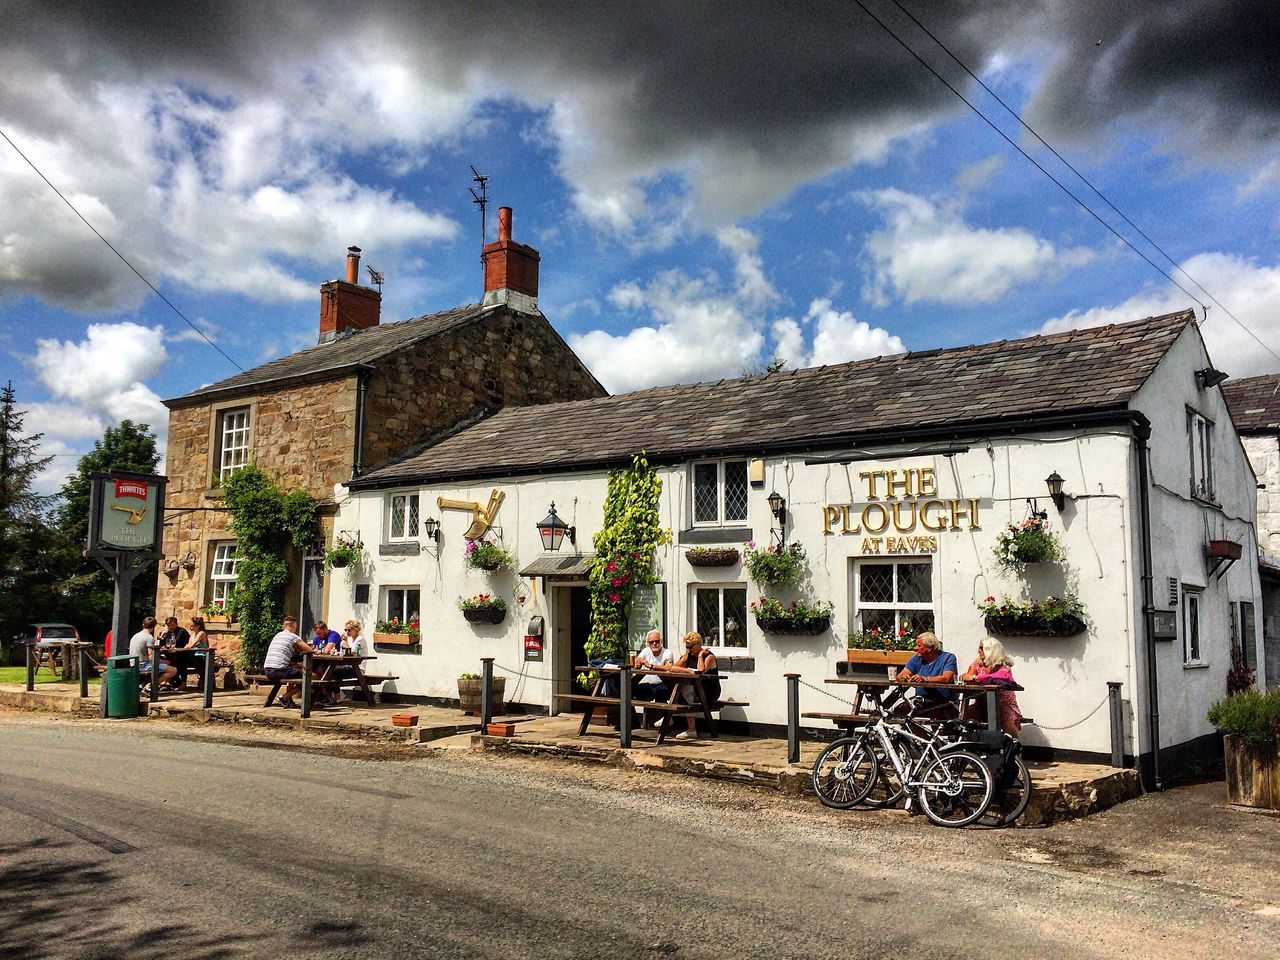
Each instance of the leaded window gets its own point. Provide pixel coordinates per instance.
(720, 615)
(893, 596)
(719, 492)
(403, 521)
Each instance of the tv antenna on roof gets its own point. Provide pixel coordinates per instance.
(375, 277)
(480, 199)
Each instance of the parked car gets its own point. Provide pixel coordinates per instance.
(36, 633)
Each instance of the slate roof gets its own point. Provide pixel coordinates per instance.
(1093, 370)
(1254, 403)
(334, 359)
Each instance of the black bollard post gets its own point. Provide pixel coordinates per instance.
(82, 662)
(306, 685)
(1117, 723)
(793, 717)
(486, 693)
(207, 686)
(624, 709)
(993, 711)
(155, 672)
(31, 667)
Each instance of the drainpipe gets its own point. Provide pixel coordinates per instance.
(1142, 432)
(362, 390)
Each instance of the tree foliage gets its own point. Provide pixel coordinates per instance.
(28, 583)
(265, 521)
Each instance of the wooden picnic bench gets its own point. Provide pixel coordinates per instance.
(327, 676)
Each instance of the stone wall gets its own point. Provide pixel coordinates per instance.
(1264, 455)
(304, 436)
(503, 359)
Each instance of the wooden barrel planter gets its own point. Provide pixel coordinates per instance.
(485, 614)
(471, 695)
(880, 658)
(713, 556)
(1012, 626)
(1253, 773)
(793, 626)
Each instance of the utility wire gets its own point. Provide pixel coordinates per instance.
(118, 253)
(1061, 186)
(1087, 182)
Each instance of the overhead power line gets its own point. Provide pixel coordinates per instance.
(1087, 182)
(1039, 166)
(122, 257)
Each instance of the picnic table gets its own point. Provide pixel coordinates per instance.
(48, 652)
(670, 708)
(159, 650)
(873, 693)
(321, 669)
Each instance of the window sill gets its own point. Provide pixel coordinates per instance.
(1195, 666)
(403, 549)
(715, 535)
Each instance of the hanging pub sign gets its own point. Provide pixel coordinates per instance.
(126, 514)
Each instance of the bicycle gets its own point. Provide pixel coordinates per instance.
(953, 786)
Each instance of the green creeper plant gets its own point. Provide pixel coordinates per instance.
(265, 521)
(625, 548)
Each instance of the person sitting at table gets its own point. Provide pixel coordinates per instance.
(139, 646)
(994, 667)
(696, 659)
(199, 636)
(931, 664)
(176, 637)
(283, 649)
(653, 655)
(326, 640)
(352, 642)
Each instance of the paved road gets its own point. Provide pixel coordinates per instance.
(143, 840)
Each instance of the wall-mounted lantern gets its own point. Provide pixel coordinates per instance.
(1209, 377)
(552, 530)
(1054, 483)
(778, 507)
(431, 528)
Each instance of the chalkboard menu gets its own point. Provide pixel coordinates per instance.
(648, 612)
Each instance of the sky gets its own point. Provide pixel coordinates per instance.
(710, 186)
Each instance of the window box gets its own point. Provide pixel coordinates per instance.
(794, 626)
(395, 639)
(1227, 549)
(485, 614)
(1022, 626)
(880, 658)
(712, 556)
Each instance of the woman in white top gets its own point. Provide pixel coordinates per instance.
(654, 654)
(352, 642)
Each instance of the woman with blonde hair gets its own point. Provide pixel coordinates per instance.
(696, 659)
(994, 667)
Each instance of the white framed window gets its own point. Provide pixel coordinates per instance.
(719, 613)
(1200, 444)
(402, 517)
(719, 492)
(233, 441)
(1191, 653)
(401, 603)
(223, 572)
(892, 595)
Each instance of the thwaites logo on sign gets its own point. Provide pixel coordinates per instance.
(126, 512)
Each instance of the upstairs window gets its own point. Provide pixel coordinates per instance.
(719, 492)
(402, 517)
(1200, 442)
(233, 441)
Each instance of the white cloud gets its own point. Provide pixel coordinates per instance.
(928, 253)
(978, 174)
(97, 383)
(1250, 290)
(838, 337)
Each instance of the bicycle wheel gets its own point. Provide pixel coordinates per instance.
(955, 790)
(887, 789)
(1010, 797)
(845, 772)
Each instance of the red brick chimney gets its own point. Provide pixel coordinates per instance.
(510, 269)
(345, 306)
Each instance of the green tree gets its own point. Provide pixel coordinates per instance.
(89, 590)
(28, 579)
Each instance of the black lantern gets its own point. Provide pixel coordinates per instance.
(431, 527)
(552, 530)
(1054, 483)
(778, 506)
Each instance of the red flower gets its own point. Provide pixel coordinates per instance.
(610, 567)
(614, 598)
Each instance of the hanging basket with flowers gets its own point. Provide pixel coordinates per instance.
(799, 618)
(1030, 541)
(712, 556)
(345, 552)
(1050, 617)
(774, 565)
(483, 608)
(483, 555)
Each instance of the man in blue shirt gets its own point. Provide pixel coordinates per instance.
(931, 664)
(330, 641)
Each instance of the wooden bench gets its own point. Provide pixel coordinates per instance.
(261, 680)
(646, 706)
(845, 720)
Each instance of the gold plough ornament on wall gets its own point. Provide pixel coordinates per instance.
(482, 517)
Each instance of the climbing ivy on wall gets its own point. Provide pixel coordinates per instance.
(264, 520)
(625, 548)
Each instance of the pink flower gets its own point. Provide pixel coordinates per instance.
(610, 567)
(614, 598)
(617, 581)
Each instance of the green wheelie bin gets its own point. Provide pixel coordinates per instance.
(122, 686)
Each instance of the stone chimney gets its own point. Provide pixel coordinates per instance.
(510, 270)
(345, 306)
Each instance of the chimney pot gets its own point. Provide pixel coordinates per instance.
(504, 223)
(353, 264)
(345, 306)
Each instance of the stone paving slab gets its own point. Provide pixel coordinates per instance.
(1063, 791)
